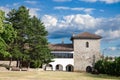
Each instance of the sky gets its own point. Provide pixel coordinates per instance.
(62, 18)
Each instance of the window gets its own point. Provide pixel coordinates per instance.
(87, 44)
(63, 55)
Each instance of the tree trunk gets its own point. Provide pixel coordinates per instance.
(18, 63)
(10, 63)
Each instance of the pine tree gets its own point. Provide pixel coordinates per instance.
(31, 42)
(38, 43)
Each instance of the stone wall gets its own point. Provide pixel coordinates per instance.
(84, 56)
(13, 63)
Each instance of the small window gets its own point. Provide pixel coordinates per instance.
(87, 44)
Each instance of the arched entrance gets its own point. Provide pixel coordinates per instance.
(49, 67)
(89, 69)
(59, 67)
(69, 68)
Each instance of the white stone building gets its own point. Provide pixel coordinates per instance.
(78, 56)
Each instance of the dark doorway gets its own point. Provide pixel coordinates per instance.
(59, 67)
(69, 68)
(89, 69)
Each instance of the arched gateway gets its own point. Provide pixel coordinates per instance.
(69, 68)
(59, 67)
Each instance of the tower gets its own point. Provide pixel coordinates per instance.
(86, 50)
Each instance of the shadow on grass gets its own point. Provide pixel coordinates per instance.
(103, 76)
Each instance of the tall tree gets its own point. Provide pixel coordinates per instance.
(20, 20)
(38, 43)
(31, 42)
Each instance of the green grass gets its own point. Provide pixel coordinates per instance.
(52, 75)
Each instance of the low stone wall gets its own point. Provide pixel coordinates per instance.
(13, 63)
(3, 69)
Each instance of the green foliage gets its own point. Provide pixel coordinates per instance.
(20, 20)
(7, 35)
(31, 43)
(35, 64)
(1, 21)
(108, 67)
(36, 38)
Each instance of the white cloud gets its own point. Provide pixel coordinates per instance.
(15, 4)
(109, 35)
(5, 9)
(62, 0)
(86, 10)
(30, 2)
(72, 22)
(88, 0)
(34, 11)
(99, 32)
(108, 28)
(106, 1)
(50, 22)
(110, 1)
(81, 21)
(113, 48)
(61, 7)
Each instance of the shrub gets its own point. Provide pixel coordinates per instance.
(108, 67)
(35, 64)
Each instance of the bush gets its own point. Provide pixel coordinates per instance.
(99, 66)
(108, 67)
(35, 64)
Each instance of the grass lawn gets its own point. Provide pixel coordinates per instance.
(52, 75)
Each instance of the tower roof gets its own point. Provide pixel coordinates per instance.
(61, 47)
(86, 35)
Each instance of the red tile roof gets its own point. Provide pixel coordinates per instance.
(86, 35)
(61, 47)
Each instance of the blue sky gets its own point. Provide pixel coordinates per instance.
(62, 18)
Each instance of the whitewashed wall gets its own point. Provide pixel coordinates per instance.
(62, 61)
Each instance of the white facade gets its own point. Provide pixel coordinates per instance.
(61, 64)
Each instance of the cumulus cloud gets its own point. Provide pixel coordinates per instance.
(80, 21)
(70, 23)
(109, 35)
(50, 22)
(62, 0)
(106, 27)
(86, 10)
(105, 1)
(34, 11)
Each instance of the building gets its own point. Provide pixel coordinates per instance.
(78, 56)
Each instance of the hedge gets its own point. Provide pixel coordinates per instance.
(108, 67)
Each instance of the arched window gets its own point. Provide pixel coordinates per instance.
(87, 44)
